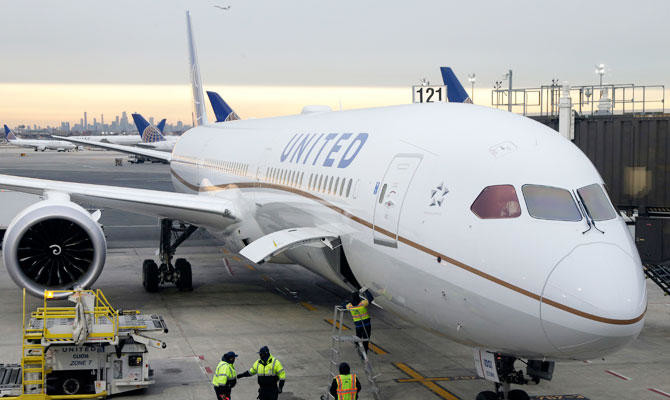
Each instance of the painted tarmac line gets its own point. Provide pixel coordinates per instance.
(432, 386)
(308, 306)
(377, 349)
(250, 267)
(236, 258)
(331, 323)
(618, 375)
(658, 391)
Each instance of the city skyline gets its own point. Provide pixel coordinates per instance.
(66, 57)
(120, 123)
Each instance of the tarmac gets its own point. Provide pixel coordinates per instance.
(287, 308)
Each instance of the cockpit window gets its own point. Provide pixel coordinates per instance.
(546, 202)
(596, 202)
(497, 201)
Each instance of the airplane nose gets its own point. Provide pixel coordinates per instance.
(594, 300)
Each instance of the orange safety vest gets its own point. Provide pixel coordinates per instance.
(346, 387)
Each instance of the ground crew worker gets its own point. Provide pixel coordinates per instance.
(271, 375)
(225, 376)
(345, 386)
(359, 313)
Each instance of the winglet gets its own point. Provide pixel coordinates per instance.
(9, 135)
(148, 132)
(161, 125)
(221, 109)
(455, 91)
(196, 81)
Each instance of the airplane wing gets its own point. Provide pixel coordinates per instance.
(203, 211)
(159, 155)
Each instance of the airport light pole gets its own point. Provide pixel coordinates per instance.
(508, 76)
(600, 70)
(472, 79)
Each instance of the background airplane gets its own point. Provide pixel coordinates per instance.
(455, 91)
(38, 144)
(128, 140)
(222, 110)
(152, 136)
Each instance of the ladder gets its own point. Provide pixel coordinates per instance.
(337, 338)
(33, 376)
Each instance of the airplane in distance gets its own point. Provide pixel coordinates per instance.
(222, 110)
(152, 136)
(38, 144)
(455, 91)
(127, 140)
(453, 216)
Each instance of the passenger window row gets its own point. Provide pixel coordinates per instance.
(326, 184)
(229, 167)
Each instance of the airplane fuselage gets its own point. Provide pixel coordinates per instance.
(399, 185)
(44, 144)
(127, 140)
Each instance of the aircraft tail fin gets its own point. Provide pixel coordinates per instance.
(161, 125)
(455, 91)
(148, 132)
(9, 135)
(196, 81)
(221, 109)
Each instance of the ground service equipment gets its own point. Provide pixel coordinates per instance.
(89, 350)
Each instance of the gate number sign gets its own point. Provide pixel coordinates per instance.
(429, 94)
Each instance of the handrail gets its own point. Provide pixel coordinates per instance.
(102, 309)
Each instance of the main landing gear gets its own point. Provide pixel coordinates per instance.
(153, 275)
(535, 371)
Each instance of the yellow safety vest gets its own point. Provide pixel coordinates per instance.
(272, 368)
(346, 387)
(359, 312)
(224, 372)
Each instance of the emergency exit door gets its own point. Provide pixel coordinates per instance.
(391, 196)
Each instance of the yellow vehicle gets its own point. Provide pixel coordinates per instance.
(89, 350)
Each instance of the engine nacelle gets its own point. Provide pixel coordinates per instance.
(54, 245)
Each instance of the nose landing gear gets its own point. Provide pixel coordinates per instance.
(153, 275)
(536, 370)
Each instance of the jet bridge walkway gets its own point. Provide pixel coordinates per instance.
(660, 274)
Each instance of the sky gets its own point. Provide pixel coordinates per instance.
(269, 57)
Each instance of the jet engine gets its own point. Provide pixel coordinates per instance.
(54, 245)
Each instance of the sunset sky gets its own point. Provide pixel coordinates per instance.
(266, 57)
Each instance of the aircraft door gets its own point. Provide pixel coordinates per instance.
(391, 196)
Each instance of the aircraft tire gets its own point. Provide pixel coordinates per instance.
(184, 280)
(487, 395)
(150, 276)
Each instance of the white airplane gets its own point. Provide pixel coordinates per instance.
(38, 144)
(126, 140)
(481, 225)
(151, 136)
